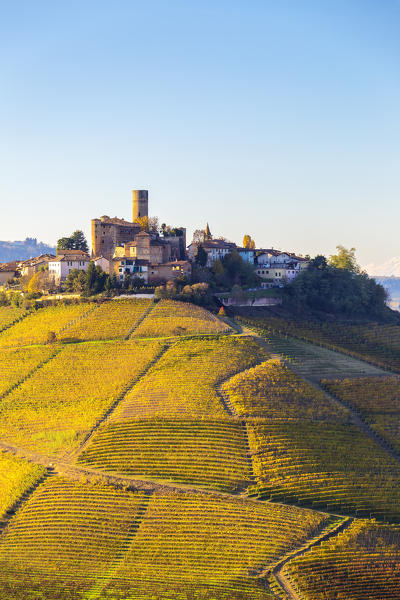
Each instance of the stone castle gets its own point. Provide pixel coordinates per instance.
(131, 251)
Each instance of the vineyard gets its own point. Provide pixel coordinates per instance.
(16, 478)
(35, 328)
(363, 562)
(9, 315)
(110, 320)
(52, 410)
(378, 344)
(272, 390)
(378, 401)
(183, 382)
(211, 453)
(172, 318)
(219, 546)
(17, 363)
(67, 535)
(335, 467)
(148, 451)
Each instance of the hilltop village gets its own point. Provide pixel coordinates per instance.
(141, 251)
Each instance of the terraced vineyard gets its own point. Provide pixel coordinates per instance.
(192, 545)
(273, 391)
(147, 455)
(183, 382)
(363, 562)
(172, 318)
(17, 363)
(34, 328)
(335, 467)
(211, 453)
(110, 320)
(65, 537)
(378, 401)
(17, 476)
(53, 409)
(9, 314)
(173, 424)
(378, 344)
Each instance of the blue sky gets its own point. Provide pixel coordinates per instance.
(278, 119)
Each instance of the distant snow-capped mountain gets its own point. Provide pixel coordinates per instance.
(390, 268)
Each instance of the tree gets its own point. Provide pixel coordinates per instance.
(248, 242)
(319, 262)
(149, 224)
(76, 241)
(169, 231)
(107, 285)
(233, 270)
(90, 283)
(34, 284)
(79, 241)
(344, 259)
(64, 243)
(336, 290)
(51, 337)
(95, 280)
(76, 281)
(198, 236)
(201, 256)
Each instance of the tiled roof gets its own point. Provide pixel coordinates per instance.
(36, 260)
(209, 244)
(76, 252)
(71, 256)
(9, 267)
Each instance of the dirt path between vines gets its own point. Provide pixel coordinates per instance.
(283, 579)
(357, 418)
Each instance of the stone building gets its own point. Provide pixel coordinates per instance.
(8, 271)
(123, 248)
(108, 233)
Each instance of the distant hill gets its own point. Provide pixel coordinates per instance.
(392, 285)
(22, 250)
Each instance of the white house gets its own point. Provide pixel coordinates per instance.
(64, 263)
(276, 268)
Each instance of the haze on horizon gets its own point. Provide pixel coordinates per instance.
(280, 120)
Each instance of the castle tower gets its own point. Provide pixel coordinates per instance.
(140, 201)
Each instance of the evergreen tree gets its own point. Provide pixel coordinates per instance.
(79, 241)
(91, 280)
(76, 241)
(201, 256)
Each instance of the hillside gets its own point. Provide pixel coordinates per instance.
(154, 451)
(22, 250)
